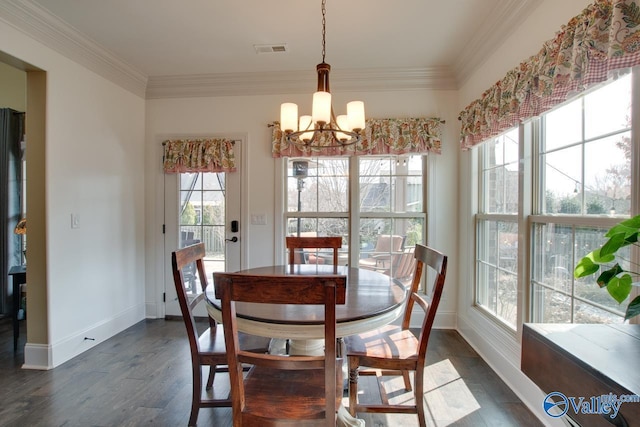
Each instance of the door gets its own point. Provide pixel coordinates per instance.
(202, 207)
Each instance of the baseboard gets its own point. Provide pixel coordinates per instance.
(151, 310)
(43, 357)
(444, 319)
(37, 356)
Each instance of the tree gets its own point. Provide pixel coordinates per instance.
(595, 207)
(188, 216)
(569, 206)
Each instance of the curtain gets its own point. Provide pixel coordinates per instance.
(380, 136)
(601, 42)
(199, 155)
(11, 137)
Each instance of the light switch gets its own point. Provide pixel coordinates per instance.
(75, 220)
(259, 219)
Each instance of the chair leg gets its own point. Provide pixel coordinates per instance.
(353, 387)
(407, 380)
(197, 394)
(419, 396)
(212, 374)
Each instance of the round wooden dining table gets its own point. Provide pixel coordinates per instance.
(372, 300)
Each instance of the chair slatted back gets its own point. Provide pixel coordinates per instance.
(179, 260)
(426, 256)
(294, 244)
(327, 290)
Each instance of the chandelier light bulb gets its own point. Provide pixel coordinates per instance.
(355, 112)
(321, 109)
(289, 117)
(305, 124)
(343, 124)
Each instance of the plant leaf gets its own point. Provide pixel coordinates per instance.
(632, 222)
(599, 258)
(619, 288)
(628, 227)
(633, 309)
(606, 276)
(585, 267)
(613, 244)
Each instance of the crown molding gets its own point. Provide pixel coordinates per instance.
(37, 23)
(290, 82)
(503, 20)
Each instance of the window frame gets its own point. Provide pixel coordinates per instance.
(530, 203)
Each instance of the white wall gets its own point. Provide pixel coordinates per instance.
(13, 83)
(94, 156)
(497, 345)
(249, 115)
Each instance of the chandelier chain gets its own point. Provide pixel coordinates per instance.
(324, 24)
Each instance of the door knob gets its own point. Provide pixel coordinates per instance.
(233, 239)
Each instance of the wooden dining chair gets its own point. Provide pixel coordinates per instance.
(297, 244)
(283, 390)
(208, 348)
(395, 350)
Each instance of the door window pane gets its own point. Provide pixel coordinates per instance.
(202, 219)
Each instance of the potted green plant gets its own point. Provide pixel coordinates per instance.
(617, 278)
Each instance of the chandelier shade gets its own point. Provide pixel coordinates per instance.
(323, 128)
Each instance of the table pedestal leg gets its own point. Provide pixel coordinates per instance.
(307, 347)
(316, 348)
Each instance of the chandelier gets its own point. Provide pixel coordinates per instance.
(322, 128)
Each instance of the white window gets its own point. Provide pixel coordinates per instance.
(584, 170)
(384, 203)
(576, 181)
(497, 228)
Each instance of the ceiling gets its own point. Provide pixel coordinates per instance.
(171, 44)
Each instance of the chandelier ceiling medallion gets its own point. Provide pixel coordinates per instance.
(322, 128)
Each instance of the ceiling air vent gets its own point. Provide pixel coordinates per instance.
(270, 48)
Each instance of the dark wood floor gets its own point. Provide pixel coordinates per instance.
(142, 377)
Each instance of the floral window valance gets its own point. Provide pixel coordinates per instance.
(595, 45)
(199, 155)
(380, 136)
